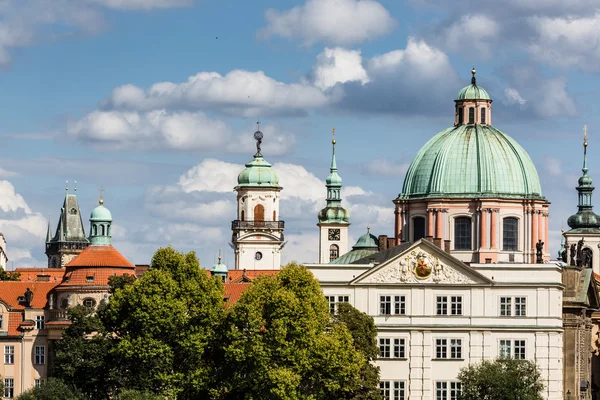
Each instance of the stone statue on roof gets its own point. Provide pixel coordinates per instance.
(572, 260)
(580, 253)
(28, 297)
(539, 255)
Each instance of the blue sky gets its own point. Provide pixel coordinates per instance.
(157, 101)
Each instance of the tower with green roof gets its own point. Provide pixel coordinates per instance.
(582, 240)
(473, 190)
(69, 239)
(257, 232)
(100, 225)
(334, 219)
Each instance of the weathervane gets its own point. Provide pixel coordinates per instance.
(258, 136)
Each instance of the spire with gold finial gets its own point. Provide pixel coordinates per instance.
(333, 212)
(101, 200)
(473, 72)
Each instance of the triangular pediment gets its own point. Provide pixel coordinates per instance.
(422, 263)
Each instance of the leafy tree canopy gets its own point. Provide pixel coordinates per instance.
(502, 379)
(51, 389)
(138, 395)
(279, 342)
(9, 276)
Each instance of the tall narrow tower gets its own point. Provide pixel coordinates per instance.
(257, 236)
(334, 220)
(69, 239)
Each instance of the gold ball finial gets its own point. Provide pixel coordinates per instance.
(333, 141)
(473, 71)
(100, 201)
(562, 230)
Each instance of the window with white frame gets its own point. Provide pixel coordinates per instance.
(39, 355)
(392, 348)
(447, 390)
(448, 348)
(9, 354)
(385, 347)
(334, 300)
(510, 306)
(512, 349)
(399, 348)
(37, 383)
(392, 390)
(39, 322)
(389, 305)
(9, 388)
(442, 305)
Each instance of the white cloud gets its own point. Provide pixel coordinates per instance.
(514, 97)
(154, 129)
(553, 99)
(6, 174)
(210, 176)
(567, 42)
(472, 33)
(339, 22)
(240, 93)
(387, 167)
(338, 65)
(10, 201)
(141, 4)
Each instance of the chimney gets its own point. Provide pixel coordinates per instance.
(383, 242)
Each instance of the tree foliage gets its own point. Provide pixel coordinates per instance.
(502, 379)
(164, 326)
(9, 276)
(364, 335)
(51, 389)
(138, 395)
(279, 342)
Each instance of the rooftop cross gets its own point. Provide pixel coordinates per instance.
(585, 138)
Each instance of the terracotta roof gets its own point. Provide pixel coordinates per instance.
(92, 276)
(233, 291)
(597, 277)
(40, 274)
(100, 256)
(10, 291)
(14, 321)
(141, 269)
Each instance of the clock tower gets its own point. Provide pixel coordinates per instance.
(257, 233)
(334, 220)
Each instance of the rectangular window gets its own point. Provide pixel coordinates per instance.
(505, 348)
(9, 388)
(510, 234)
(456, 305)
(387, 393)
(442, 305)
(9, 354)
(385, 305)
(505, 306)
(447, 390)
(1, 322)
(37, 382)
(400, 305)
(40, 355)
(456, 348)
(331, 301)
(520, 307)
(399, 348)
(483, 115)
(471, 115)
(441, 348)
(462, 233)
(461, 116)
(39, 322)
(520, 349)
(384, 347)
(343, 299)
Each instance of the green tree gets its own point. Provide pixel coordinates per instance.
(502, 379)
(9, 276)
(279, 342)
(364, 335)
(82, 355)
(116, 282)
(51, 389)
(164, 326)
(137, 395)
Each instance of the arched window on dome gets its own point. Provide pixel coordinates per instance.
(510, 234)
(418, 228)
(461, 116)
(471, 115)
(483, 111)
(274, 215)
(462, 233)
(334, 252)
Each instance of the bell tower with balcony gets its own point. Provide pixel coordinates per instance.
(257, 236)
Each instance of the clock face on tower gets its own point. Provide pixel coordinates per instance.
(334, 234)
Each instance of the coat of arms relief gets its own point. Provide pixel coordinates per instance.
(418, 267)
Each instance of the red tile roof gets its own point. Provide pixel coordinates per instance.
(40, 274)
(233, 291)
(235, 274)
(14, 321)
(100, 256)
(10, 291)
(92, 276)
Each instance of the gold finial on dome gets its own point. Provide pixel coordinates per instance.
(101, 201)
(333, 135)
(473, 72)
(585, 137)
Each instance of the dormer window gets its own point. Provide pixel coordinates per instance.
(89, 278)
(483, 110)
(471, 115)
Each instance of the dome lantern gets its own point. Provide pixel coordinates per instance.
(473, 104)
(100, 224)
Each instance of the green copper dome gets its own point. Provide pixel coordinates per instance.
(219, 269)
(367, 241)
(366, 245)
(473, 92)
(258, 173)
(472, 161)
(101, 213)
(335, 215)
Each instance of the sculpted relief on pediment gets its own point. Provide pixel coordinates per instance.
(418, 267)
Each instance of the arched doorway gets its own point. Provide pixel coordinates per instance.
(259, 214)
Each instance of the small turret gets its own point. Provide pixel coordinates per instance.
(100, 224)
(219, 269)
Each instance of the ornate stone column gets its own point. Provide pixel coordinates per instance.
(534, 229)
(430, 222)
(439, 228)
(398, 227)
(494, 227)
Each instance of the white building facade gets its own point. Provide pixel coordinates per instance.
(435, 315)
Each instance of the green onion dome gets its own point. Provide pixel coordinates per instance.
(338, 215)
(472, 161)
(258, 173)
(101, 213)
